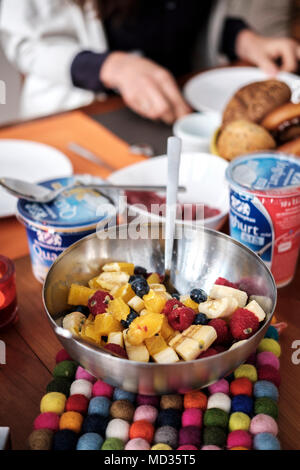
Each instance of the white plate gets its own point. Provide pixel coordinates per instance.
(211, 91)
(32, 162)
(201, 173)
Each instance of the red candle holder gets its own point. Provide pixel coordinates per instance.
(8, 294)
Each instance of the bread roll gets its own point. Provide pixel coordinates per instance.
(241, 137)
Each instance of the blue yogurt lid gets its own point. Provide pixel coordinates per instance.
(75, 208)
(267, 171)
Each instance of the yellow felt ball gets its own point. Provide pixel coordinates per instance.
(239, 421)
(161, 446)
(269, 344)
(246, 370)
(53, 402)
(71, 420)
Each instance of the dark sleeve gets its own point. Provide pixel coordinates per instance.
(85, 70)
(232, 27)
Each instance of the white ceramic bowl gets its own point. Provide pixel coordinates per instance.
(196, 130)
(203, 175)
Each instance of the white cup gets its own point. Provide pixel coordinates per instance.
(196, 130)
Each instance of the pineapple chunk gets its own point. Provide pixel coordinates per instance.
(154, 301)
(105, 323)
(136, 303)
(188, 302)
(255, 308)
(116, 337)
(118, 308)
(117, 267)
(74, 322)
(166, 356)
(93, 284)
(167, 331)
(154, 278)
(144, 327)
(135, 353)
(109, 280)
(125, 292)
(88, 332)
(155, 344)
(79, 295)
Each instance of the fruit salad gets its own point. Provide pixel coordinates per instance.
(128, 311)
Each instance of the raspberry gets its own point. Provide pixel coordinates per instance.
(181, 318)
(98, 302)
(243, 324)
(170, 305)
(116, 349)
(222, 330)
(209, 352)
(221, 281)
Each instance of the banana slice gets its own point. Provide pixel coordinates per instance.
(108, 280)
(255, 308)
(136, 353)
(204, 334)
(219, 308)
(218, 292)
(136, 303)
(264, 301)
(73, 322)
(237, 344)
(116, 337)
(187, 348)
(166, 356)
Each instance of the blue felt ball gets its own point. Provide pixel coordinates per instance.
(89, 441)
(265, 441)
(169, 417)
(242, 403)
(65, 440)
(264, 388)
(95, 423)
(99, 406)
(272, 333)
(123, 395)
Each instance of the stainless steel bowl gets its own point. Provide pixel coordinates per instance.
(197, 261)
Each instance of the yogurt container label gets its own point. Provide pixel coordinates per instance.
(265, 209)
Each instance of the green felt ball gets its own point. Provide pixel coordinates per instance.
(239, 421)
(269, 344)
(215, 417)
(59, 384)
(66, 369)
(112, 443)
(266, 406)
(214, 435)
(246, 370)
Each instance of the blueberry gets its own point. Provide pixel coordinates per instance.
(131, 316)
(124, 323)
(198, 295)
(140, 271)
(140, 286)
(104, 338)
(82, 309)
(134, 277)
(176, 296)
(200, 319)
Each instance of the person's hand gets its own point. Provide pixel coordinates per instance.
(264, 51)
(146, 87)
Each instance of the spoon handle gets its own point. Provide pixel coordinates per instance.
(173, 152)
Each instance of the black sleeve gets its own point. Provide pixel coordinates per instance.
(232, 27)
(85, 70)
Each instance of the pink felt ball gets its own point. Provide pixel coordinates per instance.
(147, 400)
(62, 355)
(210, 447)
(267, 358)
(222, 386)
(102, 389)
(137, 444)
(239, 438)
(81, 373)
(187, 447)
(263, 423)
(270, 374)
(192, 417)
(145, 413)
(47, 420)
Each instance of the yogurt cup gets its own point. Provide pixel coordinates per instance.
(265, 209)
(53, 227)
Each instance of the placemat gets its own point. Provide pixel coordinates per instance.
(238, 412)
(134, 129)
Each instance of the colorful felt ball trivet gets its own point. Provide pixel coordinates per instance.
(239, 412)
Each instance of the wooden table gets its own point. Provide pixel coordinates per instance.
(31, 345)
